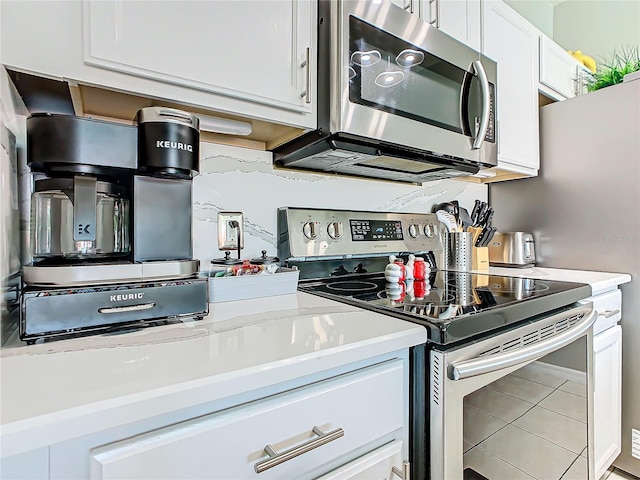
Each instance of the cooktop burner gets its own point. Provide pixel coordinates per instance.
(453, 306)
(351, 286)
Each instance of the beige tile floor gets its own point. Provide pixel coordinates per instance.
(615, 474)
(528, 425)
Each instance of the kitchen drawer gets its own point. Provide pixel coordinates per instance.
(377, 464)
(364, 405)
(609, 308)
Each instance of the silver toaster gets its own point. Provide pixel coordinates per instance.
(512, 249)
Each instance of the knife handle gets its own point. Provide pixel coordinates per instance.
(476, 210)
(487, 218)
(481, 212)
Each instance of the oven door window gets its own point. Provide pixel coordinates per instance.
(390, 74)
(531, 423)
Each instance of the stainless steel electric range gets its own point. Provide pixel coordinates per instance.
(480, 327)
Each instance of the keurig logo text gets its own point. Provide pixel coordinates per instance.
(126, 296)
(174, 145)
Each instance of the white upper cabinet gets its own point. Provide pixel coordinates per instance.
(561, 75)
(458, 18)
(253, 50)
(404, 4)
(250, 58)
(513, 43)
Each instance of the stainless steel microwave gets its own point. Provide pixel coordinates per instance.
(397, 98)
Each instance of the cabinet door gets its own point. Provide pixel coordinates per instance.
(558, 69)
(356, 410)
(513, 42)
(252, 50)
(404, 4)
(459, 19)
(607, 406)
(377, 464)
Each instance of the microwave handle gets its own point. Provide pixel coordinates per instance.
(486, 105)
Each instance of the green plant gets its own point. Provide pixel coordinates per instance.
(611, 72)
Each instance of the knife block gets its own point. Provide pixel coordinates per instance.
(480, 258)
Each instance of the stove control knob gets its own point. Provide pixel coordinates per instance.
(414, 230)
(334, 229)
(430, 230)
(310, 230)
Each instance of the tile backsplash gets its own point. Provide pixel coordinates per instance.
(239, 179)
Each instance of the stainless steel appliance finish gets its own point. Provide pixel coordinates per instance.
(458, 372)
(55, 209)
(307, 233)
(398, 99)
(578, 229)
(512, 249)
(10, 265)
(480, 327)
(108, 273)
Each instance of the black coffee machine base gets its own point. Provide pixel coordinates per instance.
(60, 313)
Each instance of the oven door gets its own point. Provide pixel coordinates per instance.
(399, 79)
(517, 405)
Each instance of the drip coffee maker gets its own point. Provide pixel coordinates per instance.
(110, 223)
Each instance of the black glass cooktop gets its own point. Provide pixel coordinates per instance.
(453, 306)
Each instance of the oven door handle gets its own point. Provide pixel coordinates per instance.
(492, 363)
(486, 105)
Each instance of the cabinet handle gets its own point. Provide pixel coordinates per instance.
(307, 63)
(436, 21)
(405, 473)
(276, 458)
(609, 313)
(578, 81)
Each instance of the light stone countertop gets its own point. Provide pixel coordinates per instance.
(60, 390)
(600, 281)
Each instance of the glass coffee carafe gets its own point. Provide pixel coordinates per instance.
(79, 218)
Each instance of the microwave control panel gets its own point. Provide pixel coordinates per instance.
(491, 130)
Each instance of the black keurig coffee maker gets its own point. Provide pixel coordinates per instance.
(111, 223)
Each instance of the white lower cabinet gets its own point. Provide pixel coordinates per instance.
(607, 378)
(33, 465)
(295, 434)
(383, 463)
(607, 397)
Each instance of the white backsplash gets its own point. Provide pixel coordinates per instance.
(244, 180)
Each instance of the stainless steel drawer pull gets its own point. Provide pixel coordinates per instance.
(128, 308)
(609, 313)
(276, 458)
(405, 473)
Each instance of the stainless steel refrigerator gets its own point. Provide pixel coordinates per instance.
(584, 211)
